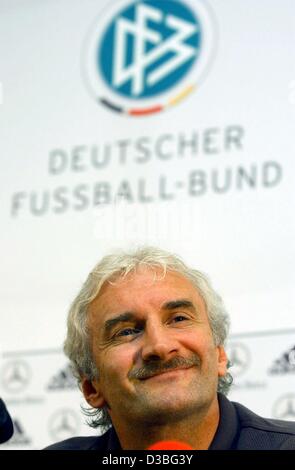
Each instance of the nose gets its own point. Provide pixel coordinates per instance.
(159, 344)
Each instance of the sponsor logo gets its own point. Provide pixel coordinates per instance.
(141, 57)
(284, 407)
(64, 424)
(284, 364)
(63, 380)
(20, 437)
(239, 357)
(15, 376)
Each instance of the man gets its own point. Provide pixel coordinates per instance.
(146, 338)
(6, 425)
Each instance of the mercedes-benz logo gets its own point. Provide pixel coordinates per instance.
(15, 376)
(291, 357)
(239, 356)
(64, 424)
(284, 407)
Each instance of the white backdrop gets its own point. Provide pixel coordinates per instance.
(211, 178)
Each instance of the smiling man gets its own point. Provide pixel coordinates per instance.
(146, 339)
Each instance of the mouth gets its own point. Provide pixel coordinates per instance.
(168, 373)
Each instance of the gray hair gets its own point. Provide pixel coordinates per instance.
(77, 344)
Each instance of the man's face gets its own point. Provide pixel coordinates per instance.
(153, 348)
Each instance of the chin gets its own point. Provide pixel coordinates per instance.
(165, 411)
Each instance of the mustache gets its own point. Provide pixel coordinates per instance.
(157, 367)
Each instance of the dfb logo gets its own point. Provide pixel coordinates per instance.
(141, 57)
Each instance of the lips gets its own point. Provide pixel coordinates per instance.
(165, 372)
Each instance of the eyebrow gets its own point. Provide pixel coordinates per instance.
(131, 316)
(179, 303)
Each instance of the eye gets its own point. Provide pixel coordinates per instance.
(179, 318)
(128, 332)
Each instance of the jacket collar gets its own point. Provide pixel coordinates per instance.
(228, 427)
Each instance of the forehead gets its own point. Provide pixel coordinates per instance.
(141, 289)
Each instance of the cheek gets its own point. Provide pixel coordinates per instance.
(198, 342)
(116, 364)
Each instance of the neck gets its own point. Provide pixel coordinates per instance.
(196, 431)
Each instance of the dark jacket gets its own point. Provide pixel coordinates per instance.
(238, 429)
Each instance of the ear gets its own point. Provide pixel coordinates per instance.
(92, 393)
(222, 361)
